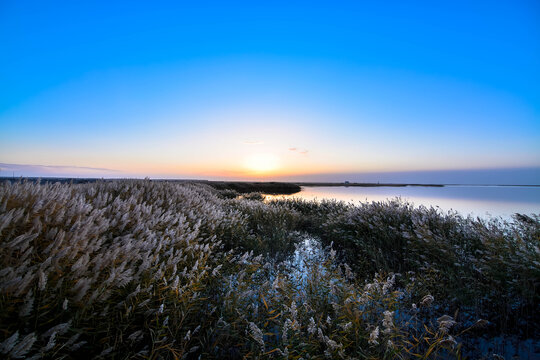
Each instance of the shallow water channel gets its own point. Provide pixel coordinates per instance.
(309, 252)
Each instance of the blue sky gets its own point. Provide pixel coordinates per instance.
(266, 90)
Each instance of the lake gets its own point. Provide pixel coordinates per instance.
(483, 201)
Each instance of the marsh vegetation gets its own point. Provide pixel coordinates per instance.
(159, 270)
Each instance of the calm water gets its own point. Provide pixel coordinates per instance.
(483, 201)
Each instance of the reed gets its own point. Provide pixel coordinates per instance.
(143, 269)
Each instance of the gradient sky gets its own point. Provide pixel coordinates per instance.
(267, 89)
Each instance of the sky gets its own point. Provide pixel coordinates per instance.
(271, 90)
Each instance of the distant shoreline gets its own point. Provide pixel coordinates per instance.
(404, 185)
(319, 184)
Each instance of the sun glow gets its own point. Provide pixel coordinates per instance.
(261, 163)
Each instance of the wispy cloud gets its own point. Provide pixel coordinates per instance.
(54, 170)
(302, 152)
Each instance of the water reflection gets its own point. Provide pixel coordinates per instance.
(483, 201)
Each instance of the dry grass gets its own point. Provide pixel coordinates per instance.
(137, 269)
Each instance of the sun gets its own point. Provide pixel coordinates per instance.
(261, 162)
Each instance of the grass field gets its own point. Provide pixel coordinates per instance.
(151, 270)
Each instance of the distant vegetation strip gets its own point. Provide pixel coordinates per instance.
(274, 188)
(243, 187)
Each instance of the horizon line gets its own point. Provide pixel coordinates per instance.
(312, 183)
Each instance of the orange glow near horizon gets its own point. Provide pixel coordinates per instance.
(255, 166)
